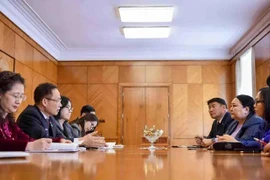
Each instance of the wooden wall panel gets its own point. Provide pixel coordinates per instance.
(27, 73)
(6, 62)
(262, 72)
(179, 74)
(7, 40)
(37, 79)
(262, 61)
(216, 74)
(194, 74)
(132, 74)
(158, 74)
(51, 71)
(103, 97)
(210, 91)
(179, 110)
(157, 108)
(262, 50)
(24, 52)
(78, 96)
(75, 75)
(103, 74)
(187, 111)
(40, 63)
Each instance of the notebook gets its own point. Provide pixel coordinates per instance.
(59, 147)
(13, 154)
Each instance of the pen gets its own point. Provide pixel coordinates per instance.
(260, 141)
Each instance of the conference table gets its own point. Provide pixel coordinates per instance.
(134, 163)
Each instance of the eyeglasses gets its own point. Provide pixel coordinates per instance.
(70, 109)
(17, 96)
(55, 100)
(259, 101)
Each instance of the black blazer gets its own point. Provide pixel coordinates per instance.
(221, 128)
(33, 123)
(67, 131)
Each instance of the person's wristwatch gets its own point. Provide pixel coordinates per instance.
(214, 140)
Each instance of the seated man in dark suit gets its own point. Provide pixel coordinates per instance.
(37, 121)
(217, 109)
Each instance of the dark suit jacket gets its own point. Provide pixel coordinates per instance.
(220, 129)
(67, 131)
(33, 123)
(253, 127)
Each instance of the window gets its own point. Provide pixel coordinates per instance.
(245, 78)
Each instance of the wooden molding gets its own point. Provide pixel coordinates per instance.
(252, 36)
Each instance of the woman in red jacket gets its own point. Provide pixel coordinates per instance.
(11, 96)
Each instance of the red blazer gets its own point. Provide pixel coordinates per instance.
(12, 138)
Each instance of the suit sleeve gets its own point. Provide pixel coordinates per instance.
(30, 123)
(254, 131)
(211, 133)
(12, 145)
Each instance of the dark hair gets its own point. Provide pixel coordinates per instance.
(268, 81)
(247, 101)
(64, 102)
(87, 109)
(265, 96)
(218, 100)
(7, 80)
(92, 118)
(43, 90)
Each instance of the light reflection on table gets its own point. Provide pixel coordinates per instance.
(134, 163)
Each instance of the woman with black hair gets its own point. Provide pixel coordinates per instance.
(247, 125)
(262, 109)
(12, 138)
(65, 128)
(62, 119)
(86, 123)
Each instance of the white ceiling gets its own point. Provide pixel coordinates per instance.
(91, 30)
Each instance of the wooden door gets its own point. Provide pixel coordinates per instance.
(134, 115)
(144, 106)
(157, 110)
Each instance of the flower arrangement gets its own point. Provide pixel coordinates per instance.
(152, 134)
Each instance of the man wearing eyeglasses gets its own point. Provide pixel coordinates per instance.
(37, 120)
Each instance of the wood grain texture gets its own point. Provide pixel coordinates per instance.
(134, 115)
(132, 74)
(6, 62)
(24, 52)
(103, 97)
(216, 74)
(77, 93)
(37, 79)
(179, 111)
(262, 50)
(179, 74)
(40, 63)
(27, 74)
(155, 74)
(103, 74)
(51, 71)
(72, 75)
(7, 40)
(157, 108)
(262, 72)
(194, 74)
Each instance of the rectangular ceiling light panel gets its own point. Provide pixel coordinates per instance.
(146, 32)
(146, 14)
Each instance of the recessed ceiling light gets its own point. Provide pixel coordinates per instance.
(146, 14)
(146, 32)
